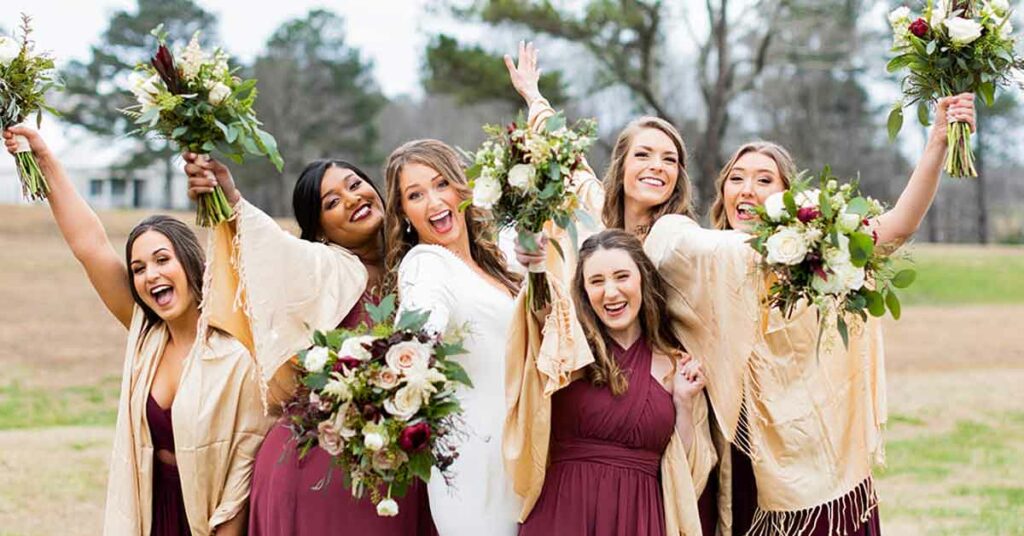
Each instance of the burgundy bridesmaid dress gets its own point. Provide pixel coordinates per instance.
(605, 458)
(169, 517)
(283, 501)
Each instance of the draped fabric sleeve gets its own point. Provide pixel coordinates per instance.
(423, 279)
(712, 288)
(275, 289)
(539, 360)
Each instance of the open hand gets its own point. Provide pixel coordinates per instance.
(525, 76)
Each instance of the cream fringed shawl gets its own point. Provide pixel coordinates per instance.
(277, 289)
(814, 421)
(539, 362)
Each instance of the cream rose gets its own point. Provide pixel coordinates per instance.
(899, 17)
(385, 378)
(329, 438)
(406, 402)
(775, 206)
(353, 347)
(218, 93)
(848, 222)
(521, 176)
(9, 50)
(407, 355)
(316, 358)
(962, 31)
(373, 441)
(486, 191)
(786, 246)
(387, 507)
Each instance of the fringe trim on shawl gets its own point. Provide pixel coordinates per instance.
(845, 514)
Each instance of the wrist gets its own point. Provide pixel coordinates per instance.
(683, 402)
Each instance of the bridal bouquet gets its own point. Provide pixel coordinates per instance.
(818, 244)
(381, 402)
(524, 178)
(195, 100)
(954, 46)
(25, 77)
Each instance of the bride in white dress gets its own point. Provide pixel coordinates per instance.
(448, 263)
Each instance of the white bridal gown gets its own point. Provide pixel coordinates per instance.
(481, 501)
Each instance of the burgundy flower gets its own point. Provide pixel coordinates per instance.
(370, 412)
(919, 27)
(348, 362)
(874, 237)
(806, 214)
(163, 62)
(415, 438)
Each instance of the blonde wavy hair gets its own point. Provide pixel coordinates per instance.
(782, 158)
(681, 199)
(482, 234)
(653, 316)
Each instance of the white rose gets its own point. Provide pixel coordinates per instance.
(899, 17)
(408, 355)
(145, 89)
(521, 176)
(962, 31)
(835, 256)
(832, 286)
(9, 50)
(404, 404)
(316, 358)
(1000, 7)
(353, 347)
(387, 507)
(386, 378)
(808, 198)
(851, 277)
(486, 191)
(786, 246)
(848, 222)
(938, 13)
(775, 206)
(218, 93)
(373, 441)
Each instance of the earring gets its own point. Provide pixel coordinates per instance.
(408, 226)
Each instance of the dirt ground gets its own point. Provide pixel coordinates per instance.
(945, 364)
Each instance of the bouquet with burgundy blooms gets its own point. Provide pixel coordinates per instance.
(524, 178)
(381, 401)
(819, 245)
(954, 46)
(195, 100)
(25, 77)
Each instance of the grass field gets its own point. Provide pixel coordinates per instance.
(955, 364)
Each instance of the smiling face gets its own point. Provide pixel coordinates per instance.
(431, 203)
(159, 277)
(613, 285)
(753, 178)
(650, 169)
(351, 212)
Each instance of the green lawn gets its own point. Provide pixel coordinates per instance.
(966, 275)
(82, 405)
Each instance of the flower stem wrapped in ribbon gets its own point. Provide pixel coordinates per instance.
(195, 100)
(524, 177)
(382, 402)
(953, 47)
(820, 249)
(25, 77)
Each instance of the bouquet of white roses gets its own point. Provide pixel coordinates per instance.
(382, 402)
(25, 77)
(819, 246)
(954, 46)
(195, 100)
(524, 178)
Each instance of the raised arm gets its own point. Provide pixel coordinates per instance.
(82, 229)
(903, 220)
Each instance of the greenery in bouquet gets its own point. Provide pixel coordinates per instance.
(195, 100)
(524, 177)
(819, 246)
(952, 47)
(25, 78)
(382, 402)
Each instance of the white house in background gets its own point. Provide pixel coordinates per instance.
(91, 168)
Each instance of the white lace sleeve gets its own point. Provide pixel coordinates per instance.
(424, 280)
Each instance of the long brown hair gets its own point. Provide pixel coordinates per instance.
(778, 153)
(680, 202)
(186, 250)
(653, 317)
(479, 225)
